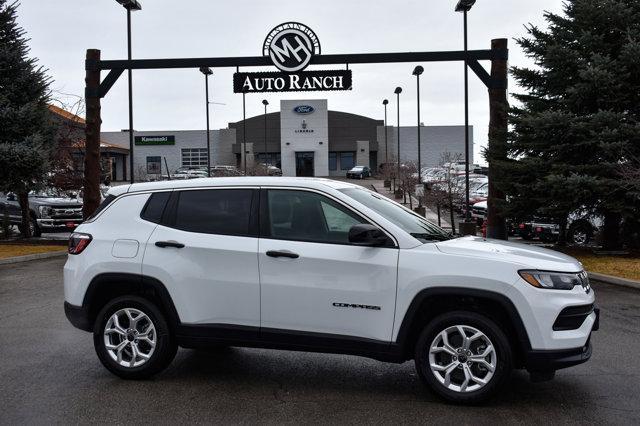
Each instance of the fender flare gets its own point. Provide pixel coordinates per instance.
(501, 299)
(138, 283)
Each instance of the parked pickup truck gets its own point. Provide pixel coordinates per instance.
(49, 211)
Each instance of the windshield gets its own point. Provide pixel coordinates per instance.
(47, 193)
(417, 226)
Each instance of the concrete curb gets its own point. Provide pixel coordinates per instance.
(608, 279)
(28, 257)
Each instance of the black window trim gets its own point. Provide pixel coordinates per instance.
(171, 209)
(264, 217)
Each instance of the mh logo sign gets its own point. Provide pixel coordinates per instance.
(291, 46)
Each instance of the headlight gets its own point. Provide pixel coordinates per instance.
(554, 280)
(45, 211)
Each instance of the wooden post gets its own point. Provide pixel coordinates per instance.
(497, 150)
(91, 193)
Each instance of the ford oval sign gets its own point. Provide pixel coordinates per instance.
(303, 109)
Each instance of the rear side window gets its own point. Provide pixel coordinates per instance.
(154, 208)
(215, 211)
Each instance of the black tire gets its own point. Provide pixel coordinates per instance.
(580, 234)
(480, 322)
(164, 351)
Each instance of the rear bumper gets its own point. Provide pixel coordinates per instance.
(78, 316)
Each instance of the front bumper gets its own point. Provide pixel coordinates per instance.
(78, 316)
(59, 223)
(537, 361)
(541, 361)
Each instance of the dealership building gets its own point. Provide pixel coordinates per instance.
(304, 138)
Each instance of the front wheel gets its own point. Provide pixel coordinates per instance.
(463, 356)
(132, 338)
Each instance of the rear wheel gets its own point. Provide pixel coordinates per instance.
(132, 338)
(463, 356)
(580, 234)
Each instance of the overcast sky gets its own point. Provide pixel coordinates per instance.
(62, 30)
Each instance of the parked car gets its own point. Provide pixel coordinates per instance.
(359, 172)
(271, 170)
(187, 172)
(318, 265)
(224, 171)
(49, 211)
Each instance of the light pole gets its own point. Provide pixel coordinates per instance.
(387, 182)
(386, 145)
(465, 6)
(397, 92)
(417, 71)
(266, 157)
(207, 72)
(131, 6)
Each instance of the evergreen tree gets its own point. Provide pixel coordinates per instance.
(26, 134)
(579, 116)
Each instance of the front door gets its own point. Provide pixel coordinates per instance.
(304, 163)
(206, 256)
(312, 278)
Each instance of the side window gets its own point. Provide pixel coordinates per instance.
(307, 216)
(215, 211)
(154, 208)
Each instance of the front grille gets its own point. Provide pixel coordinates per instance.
(571, 318)
(66, 212)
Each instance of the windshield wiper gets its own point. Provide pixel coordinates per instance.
(430, 237)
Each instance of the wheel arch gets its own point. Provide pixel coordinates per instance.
(107, 286)
(429, 303)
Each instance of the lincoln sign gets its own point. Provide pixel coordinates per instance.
(291, 46)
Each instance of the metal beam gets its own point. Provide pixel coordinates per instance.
(258, 61)
(109, 81)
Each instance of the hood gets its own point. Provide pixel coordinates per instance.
(55, 201)
(526, 255)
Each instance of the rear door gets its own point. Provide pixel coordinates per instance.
(312, 278)
(205, 252)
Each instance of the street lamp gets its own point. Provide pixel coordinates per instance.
(464, 6)
(386, 148)
(417, 71)
(130, 5)
(207, 72)
(266, 157)
(397, 92)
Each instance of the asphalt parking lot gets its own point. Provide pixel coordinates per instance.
(50, 374)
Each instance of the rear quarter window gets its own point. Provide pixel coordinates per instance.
(155, 206)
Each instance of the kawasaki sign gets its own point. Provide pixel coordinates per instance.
(155, 140)
(291, 46)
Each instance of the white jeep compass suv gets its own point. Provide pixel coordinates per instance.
(318, 265)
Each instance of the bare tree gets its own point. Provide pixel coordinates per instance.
(67, 111)
(408, 181)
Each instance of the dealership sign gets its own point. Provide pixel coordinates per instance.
(255, 82)
(291, 47)
(155, 140)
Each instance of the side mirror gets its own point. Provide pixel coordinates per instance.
(367, 235)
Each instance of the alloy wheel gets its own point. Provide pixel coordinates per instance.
(130, 337)
(580, 237)
(462, 358)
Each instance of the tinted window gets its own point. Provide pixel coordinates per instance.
(155, 207)
(215, 211)
(307, 216)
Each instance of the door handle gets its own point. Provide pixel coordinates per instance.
(164, 244)
(282, 253)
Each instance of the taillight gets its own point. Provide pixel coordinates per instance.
(521, 226)
(78, 242)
